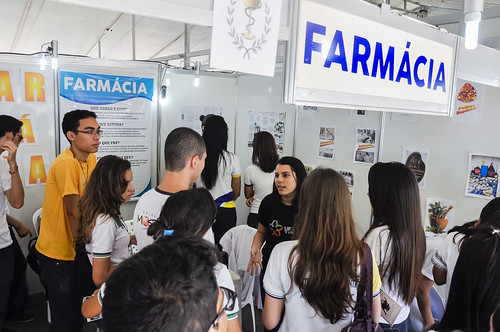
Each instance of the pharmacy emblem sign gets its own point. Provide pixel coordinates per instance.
(245, 35)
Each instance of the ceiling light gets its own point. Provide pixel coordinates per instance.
(472, 17)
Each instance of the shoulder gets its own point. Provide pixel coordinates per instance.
(282, 250)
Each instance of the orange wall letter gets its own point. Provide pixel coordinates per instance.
(37, 170)
(33, 83)
(5, 86)
(27, 129)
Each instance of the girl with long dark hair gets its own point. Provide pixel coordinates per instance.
(102, 229)
(313, 279)
(259, 176)
(221, 175)
(396, 237)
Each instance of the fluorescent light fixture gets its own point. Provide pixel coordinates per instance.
(196, 81)
(167, 82)
(43, 62)
(472, 17)
(471, 32)
(197, 74)
(54, 63)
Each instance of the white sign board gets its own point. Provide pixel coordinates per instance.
(369, 61)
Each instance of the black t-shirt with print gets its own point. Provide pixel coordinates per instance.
(278, 219)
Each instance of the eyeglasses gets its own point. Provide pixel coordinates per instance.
(19, 136)
(229, 297)
(90, 132)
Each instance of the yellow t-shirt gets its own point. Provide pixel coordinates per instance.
(67, 176)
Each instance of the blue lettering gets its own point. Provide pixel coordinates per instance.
(378, 61)
(431, 68)
(420, 60)
(310, 44)
(358, 57)
(440, 80)
(338, 41)
(404, 69)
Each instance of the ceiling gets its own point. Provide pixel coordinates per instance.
(104, 28)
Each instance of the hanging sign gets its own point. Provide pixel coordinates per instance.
(367, 60)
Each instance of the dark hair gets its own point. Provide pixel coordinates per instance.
(168, 286)
(9, 124)
(395, 200)
(181, 145)
(264, 152)
(188, 211)
(496, 318)
(71, 120)
(102, 194)
(474, 289)
(329, 250)
(300, 172)
(215, 137)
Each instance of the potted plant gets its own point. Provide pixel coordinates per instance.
(437, 217)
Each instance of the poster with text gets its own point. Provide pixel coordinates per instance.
(440, 215)
(272, 122)
(482, 177)
(326, 142)
(365, 150)
(124, 108)
(189, 115)
(468, 103)
(417, 161)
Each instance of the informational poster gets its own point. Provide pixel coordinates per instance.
(349, 179)
(272, 122)
(468, 103)
(124, 107)
(417, 161)
(440, 215)
(365, 150)
(326, 142)
(482, 180)
(189, 115)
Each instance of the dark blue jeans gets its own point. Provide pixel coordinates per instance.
(6, 275)
(404, 326)
(57, 275)
(226, 219)
(253, 220)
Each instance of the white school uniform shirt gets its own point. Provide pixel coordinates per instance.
(446, 257)
(5, 184)
(262, 183)
(110, 238)
(378, 240)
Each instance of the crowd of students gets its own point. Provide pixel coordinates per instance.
(306, 246)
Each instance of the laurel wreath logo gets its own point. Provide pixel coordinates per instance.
(238, 40)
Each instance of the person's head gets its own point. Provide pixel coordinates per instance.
(215, 137)
(189, 211)
(489, 209)
(109, 185)
(82, 131)
(495, 319)
(203, 119)
(168, 286)
(329, 250)
(264, 152)
(10, 129)
(474, 289)
(395, 201)
(185, 149)
(289, 175)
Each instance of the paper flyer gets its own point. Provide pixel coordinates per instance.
(189, 115)
(482, 178)
(124, 108)
(417, 161)
(440, 215)
(272, 122)
(468, 102)
(365, 148)
(326, 142)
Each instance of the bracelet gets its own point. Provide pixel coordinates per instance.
(14, 171)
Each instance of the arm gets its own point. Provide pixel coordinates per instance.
(248, 191)
(424, 299)
(15, 195)
(439, 276)
(273, 309)
(236, 186)
(233, 325)
(71, 206)
(376, 308)
(255, 254)
(20, 228)
(101, 269)
(91, 306)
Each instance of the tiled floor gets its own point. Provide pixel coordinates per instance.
(37, 307)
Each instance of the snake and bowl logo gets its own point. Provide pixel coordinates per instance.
(249, 25)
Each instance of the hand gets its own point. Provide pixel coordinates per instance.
(133, 240)
(11, 148)
(249, 201)
(22, 230)
(255, 261)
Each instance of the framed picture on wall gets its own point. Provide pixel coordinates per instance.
(482, 177)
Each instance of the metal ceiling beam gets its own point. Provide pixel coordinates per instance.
(104, 34)
(20, 26)
(488, 12)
